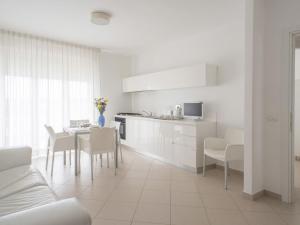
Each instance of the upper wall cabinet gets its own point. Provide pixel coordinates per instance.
(191, 76)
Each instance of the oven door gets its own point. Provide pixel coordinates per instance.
(122, 129)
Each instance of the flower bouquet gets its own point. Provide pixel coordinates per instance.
(101, 104)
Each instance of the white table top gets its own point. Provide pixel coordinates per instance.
(74, 130)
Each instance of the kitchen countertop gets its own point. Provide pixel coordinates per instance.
(174, 121)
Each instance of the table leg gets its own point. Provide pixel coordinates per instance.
(117, 148)
(76, 153)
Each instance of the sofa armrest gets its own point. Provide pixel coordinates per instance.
(14, 156)
(64, 212)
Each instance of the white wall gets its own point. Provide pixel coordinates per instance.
(297, 116)
(254, 59)
(223, 47)
(113, 68)
(279, 18)
(297, 62)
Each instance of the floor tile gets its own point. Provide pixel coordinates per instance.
(117, 211)
(153, 213)
(183, 215)
(219, 201)
(126, 195)
(179, 186)
(186, 199)
(131, 183)
(96, 193)
(291, 219)
(160, 185)
(143, 223)
(224, 217)
(250, 205)
(92, 206)
(110, 222)
(281, 207)
(154, 196)
(263, 218)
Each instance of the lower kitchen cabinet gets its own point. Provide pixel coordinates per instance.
(177, 142)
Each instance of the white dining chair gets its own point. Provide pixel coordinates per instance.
(99, 141)
(229, 148)
(78, 123)
(58, 142)
(116, 125)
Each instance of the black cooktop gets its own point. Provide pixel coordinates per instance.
(128, 114)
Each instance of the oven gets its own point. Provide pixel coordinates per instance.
(122, 129)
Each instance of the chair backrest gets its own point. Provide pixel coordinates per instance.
(51, 133)
(234, 136)
(103, 139)
(77, 123)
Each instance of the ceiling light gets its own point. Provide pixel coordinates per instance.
(100, 17)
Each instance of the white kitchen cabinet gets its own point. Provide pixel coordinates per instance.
(185, 77)
(176, 142)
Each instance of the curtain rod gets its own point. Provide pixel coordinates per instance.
(27, 35)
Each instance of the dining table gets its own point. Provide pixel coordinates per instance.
(77, 131)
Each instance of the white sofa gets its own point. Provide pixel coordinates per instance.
(25, 197)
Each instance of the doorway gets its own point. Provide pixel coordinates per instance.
(296, 121)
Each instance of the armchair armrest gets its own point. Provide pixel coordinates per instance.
(14, 156)
(64, 142)
(234, 152)
(214, 143)
(65, 212)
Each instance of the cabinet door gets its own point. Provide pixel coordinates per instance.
(146, 136)
(184, 156)
(166, 140)
(132, 133)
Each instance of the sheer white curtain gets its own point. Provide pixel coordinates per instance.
(43, 82)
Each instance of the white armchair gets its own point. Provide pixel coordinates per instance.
(229, 148)
(58, 142)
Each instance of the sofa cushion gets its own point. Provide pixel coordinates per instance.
(25, 199)
(18, 179)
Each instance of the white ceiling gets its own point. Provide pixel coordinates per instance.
(135, 24)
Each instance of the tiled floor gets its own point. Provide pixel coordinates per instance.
(149, 192)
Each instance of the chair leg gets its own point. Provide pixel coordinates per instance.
(121, 153)
(92, 167)
(101, 160)
(115, 164)
(70, 157)
(64, 157)
(53, 153)
(204, 165)
(79, 160)
(225, 174)
(228, 170)
(47, 158)
(107, 156)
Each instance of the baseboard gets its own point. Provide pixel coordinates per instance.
(272, 194)
(261, 194)
(255, 196)
(230, 170)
